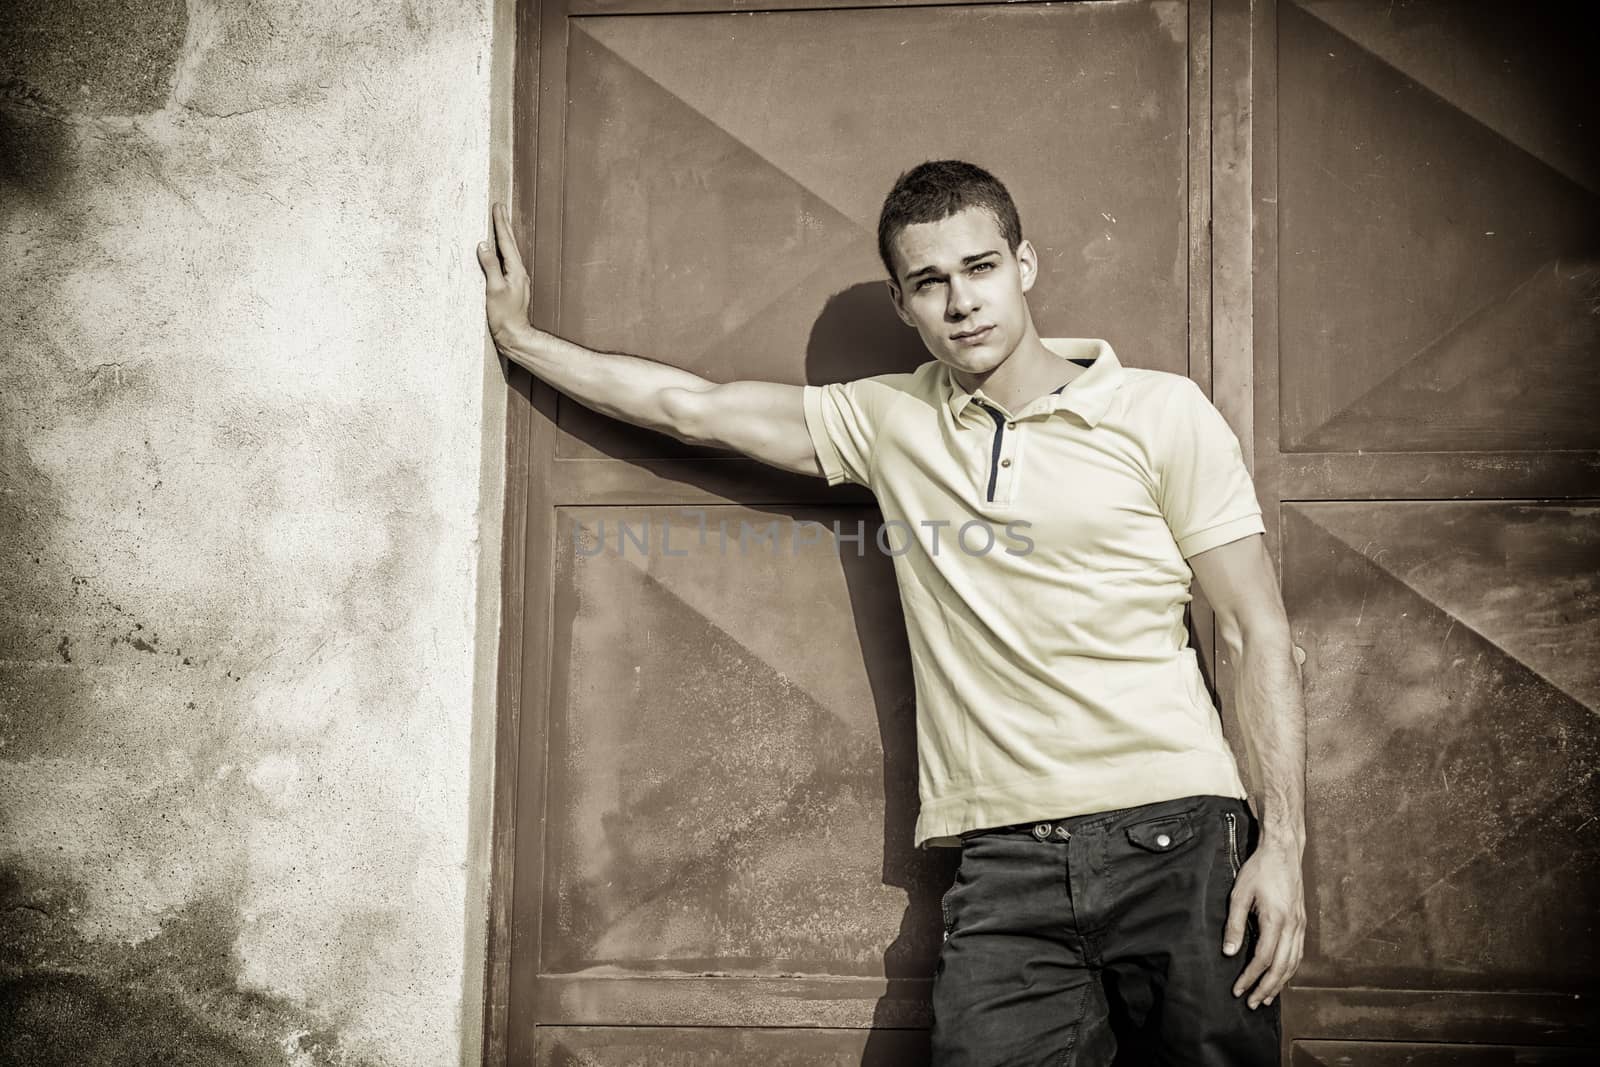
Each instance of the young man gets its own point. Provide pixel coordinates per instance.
(1116, 898)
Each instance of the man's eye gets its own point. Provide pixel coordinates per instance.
(924, 283)
(983, 266)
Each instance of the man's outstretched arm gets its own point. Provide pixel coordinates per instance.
(763, 420)
(1241, 584)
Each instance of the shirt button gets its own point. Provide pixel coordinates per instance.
(1162, 840)
(1006, 462)
(1011, 426)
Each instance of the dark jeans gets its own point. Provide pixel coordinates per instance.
(1097, 939)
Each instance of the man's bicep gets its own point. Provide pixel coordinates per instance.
(1240, 583)
(763, 420)
(825, 431)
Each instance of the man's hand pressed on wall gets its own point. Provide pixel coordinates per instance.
(506, 285)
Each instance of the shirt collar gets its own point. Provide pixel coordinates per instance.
(1088, 395)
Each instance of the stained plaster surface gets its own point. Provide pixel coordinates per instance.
(242, 423)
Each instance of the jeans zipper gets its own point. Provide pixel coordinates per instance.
(1233, 843)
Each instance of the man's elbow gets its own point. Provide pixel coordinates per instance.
(683, 413)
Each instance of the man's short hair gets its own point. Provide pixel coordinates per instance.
(938, 189)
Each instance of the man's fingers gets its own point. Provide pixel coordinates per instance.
(1272, 982)
(1238, 914)
(1296, 945)
(507, 240)
(490, 265)
(1260, 961)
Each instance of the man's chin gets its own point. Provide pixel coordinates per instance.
(980, 360)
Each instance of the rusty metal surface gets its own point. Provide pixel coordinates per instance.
(724, 174)
(1370, 1054)
(1475, 1017)
(705, 1047)
(730, 849)
(728, 787)
(732, 777)
(1440, 250)
(1451, 688)
(1439, 203)
(1428, 360)
(1422, 356)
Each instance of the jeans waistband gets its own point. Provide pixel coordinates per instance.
(1065, 826)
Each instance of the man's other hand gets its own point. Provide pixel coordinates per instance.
(1270, 883)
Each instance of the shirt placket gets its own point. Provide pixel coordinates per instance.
(1004, 454)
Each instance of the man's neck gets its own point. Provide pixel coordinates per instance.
(1031, 371)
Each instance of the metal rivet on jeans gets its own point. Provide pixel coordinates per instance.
(1042, 831)
(1162, 840)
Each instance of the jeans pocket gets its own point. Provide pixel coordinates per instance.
(1164, 834)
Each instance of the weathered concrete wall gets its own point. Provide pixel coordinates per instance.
(249, 508)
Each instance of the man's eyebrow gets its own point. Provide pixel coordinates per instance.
(965, 260)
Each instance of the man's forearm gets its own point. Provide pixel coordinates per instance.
(1271, 712)
(631, 388)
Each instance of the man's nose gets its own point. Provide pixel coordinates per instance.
(962, 300)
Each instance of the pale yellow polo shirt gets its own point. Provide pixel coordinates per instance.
(1053, 672)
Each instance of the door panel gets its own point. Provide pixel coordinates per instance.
(1451, 690)
(1366, 1054)
(724, 174)
(715, 790)
(714, 1047)
(1441, 273)
(1428, 363)
(717, 797)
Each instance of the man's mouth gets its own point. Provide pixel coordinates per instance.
(973, 335)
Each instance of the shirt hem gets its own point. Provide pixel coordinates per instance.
(1221, 534)
(1128, 783)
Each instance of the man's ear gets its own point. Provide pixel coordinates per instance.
(894, 298)
(1027, 264)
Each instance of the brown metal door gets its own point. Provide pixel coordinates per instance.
(1428, 374)
(711, 809)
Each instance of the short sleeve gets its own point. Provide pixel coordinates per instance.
(1205, 492)
(844, 419)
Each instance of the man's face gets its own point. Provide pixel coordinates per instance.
(962, 288)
